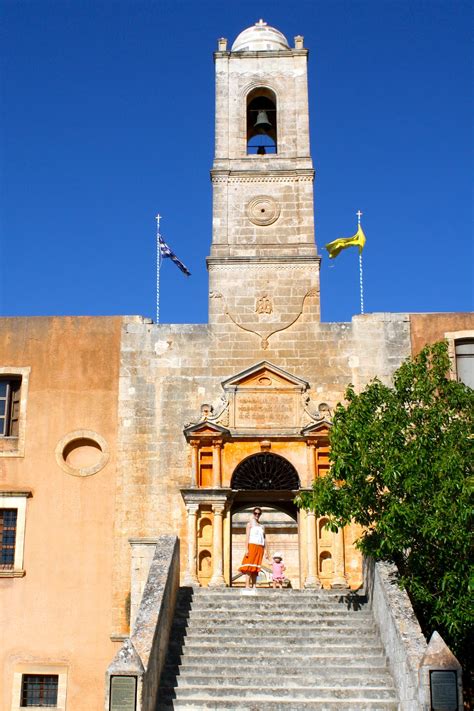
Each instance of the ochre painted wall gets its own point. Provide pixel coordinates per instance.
(59, 612)
(429, 328)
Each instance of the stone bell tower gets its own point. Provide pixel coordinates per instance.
(263, 267)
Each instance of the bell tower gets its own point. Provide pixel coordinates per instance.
(263, 259)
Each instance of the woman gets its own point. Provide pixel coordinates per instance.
(255, 545)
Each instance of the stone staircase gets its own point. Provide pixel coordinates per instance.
(280, 649)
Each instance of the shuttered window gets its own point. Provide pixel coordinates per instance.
(10, 388)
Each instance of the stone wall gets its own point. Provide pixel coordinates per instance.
(168, 371)
(143, 654)
(403, 641)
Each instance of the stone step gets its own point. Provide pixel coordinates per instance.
(310, 633)
(205, 647)
(236, 704)
(286, 623)
(322, 666)
(307, 659)
(280, 692)
(305, 592)
(311, 636)
(256, 603)
(269, 614)
(381, 678)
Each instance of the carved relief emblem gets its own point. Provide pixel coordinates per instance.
(264, 305)
(263, 210)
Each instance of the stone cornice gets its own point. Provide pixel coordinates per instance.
(262, 54)
(291, 261)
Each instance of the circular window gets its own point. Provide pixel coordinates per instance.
(82, 453)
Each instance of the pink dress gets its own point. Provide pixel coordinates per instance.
(278, 571)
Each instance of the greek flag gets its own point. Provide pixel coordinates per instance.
(166, 252)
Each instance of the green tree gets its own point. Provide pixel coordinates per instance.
(401, 466)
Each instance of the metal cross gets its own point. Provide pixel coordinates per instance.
(359, 215)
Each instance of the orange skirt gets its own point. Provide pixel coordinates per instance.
(253, 561)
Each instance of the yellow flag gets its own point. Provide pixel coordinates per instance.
(358, 240)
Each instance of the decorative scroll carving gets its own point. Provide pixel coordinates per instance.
(215, 295)
(265, 334)
(220, 413)
(313, 413)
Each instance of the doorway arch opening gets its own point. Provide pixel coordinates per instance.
(265, 471)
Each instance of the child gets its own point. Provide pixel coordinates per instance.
(278, 570)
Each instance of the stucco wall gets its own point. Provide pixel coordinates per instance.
(429, 328)
(59, 612)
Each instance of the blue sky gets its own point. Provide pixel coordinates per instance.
(109, 118)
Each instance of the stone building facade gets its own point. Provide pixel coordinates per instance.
(125, 429)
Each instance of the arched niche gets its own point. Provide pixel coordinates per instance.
(205, 564)
(325, 536)
(205, 530)
(261, 137)
(325, 564)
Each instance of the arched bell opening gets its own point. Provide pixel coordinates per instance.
(261, 122)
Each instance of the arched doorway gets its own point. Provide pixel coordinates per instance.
(270, 481)
(265, 471)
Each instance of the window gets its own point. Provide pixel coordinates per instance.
(12, 532)
(39, 690)
(464, 349)
(10, 406)
(461, 354)
(8, 519)
(13, 398)
(38, 686)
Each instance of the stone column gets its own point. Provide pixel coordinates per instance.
(190, 577)
(217, 579)
(312, 580)
(194, 462)
(338, 578)
(216, 464)
(311, 456)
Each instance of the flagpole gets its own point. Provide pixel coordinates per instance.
(158, 267)
(361, 280)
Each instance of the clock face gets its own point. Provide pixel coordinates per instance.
(263, 210)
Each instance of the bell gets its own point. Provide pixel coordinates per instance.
(261, 151)
(262, 124)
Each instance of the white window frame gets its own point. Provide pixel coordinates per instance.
(16, 500)
(38, 668)
(15, 446)
(452, 337)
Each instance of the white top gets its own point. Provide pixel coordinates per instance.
(260, 37)
(257, 535)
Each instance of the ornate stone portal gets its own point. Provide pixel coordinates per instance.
(264, 441)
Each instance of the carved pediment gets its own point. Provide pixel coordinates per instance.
(319, 429)
(265, 375)
(205, 429)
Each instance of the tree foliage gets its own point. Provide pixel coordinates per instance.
(401, 466)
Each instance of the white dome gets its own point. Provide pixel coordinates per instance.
(260, 38)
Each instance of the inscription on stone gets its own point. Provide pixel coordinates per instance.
(273, 410)
(123, 693)
(444, 690)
